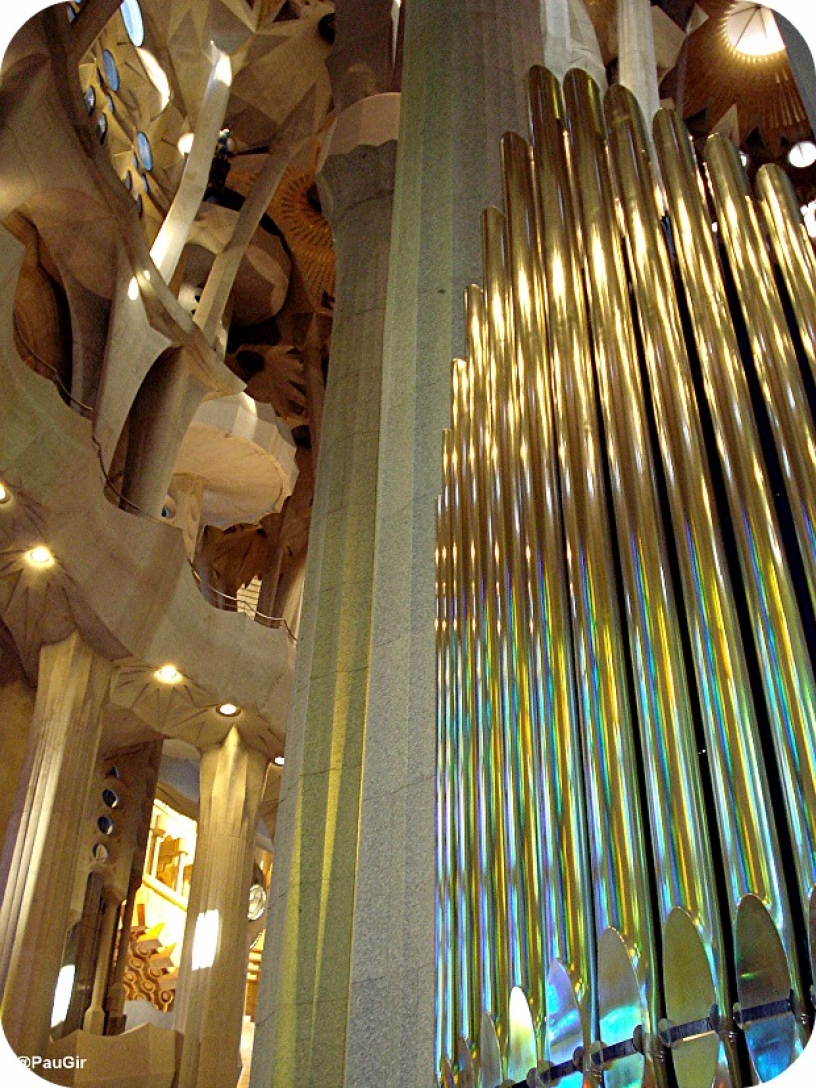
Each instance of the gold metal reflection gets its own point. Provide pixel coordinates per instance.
(604, 788)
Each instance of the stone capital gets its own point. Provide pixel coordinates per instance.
(361, 156)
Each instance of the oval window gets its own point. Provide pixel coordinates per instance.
(134, 24)
(111, 71)
(144, 150)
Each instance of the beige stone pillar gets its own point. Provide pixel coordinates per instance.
(95, 1016)
(637, 65)
(464, 72)
(42, 850)
(212, 976)
(162, 411)
(175, 229)
(555, 29)
(302, 1010)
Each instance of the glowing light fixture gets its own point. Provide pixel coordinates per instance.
(168, 674)
(185, 143)
(522, 1049)
(803, 154)
(40, 556)
(809, 213)
(229, 710)
(279, 761)
(133, 289)
(205, 940)
(752, 30)
(5, 494)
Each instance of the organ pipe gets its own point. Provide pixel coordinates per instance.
(623, 667)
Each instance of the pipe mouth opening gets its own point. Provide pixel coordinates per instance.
(691, 998)
(768, 1019)
(567, 1028)
(621, 1009)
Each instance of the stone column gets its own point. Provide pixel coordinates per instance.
(637, 64)
(802, 65)
(302, 1008)
(463, 84)
(555, 29)
(162, 411)
(95, 1016)
(212, 976)
(42, 847)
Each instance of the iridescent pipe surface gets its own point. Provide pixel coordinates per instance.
(748, 838)
(566, 891)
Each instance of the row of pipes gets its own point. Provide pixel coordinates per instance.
(626, 582)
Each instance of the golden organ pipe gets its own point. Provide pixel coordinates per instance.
(765, 972)
(494, 890)
(793, 250)
(771, 346)
(576, 349)
(566, 907)
(787, 674)
(520, 759)
(681, 854)
(625, 955)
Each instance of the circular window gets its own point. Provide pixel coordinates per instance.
(90, 99)
(144, 150)
(100, 852)
(257, 902)
(110, 798)
(102, 127)
(111, 104)
(145, 183)
(111, 71)
(105, 825)
(134, 24)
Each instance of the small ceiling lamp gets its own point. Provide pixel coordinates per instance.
(185, 143)
(229, 710)
(803, 154)
(278, 761)
(752, 30)
(5, 494)
(168, 674)
(40, 556)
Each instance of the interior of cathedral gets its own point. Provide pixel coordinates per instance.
(367, 718)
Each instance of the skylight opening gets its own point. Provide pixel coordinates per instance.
(753, 31)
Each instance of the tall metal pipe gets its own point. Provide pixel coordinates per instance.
(766, 969)
(623, 923)
(779, 635)
(585, 237)
(772, 350)
(566, 907)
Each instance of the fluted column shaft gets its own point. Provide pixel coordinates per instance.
(303, 1001)
(463, 75)
(212, 976)
(42, 847)
(637, 65)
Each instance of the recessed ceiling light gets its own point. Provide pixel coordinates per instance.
(168, 674)
(133, 289)
(752, 30)
(278, 761)
(229, 710)
(745, 159)
(803, 154)
(809, 213)
(185, 144)
(5, 494)
(40, 556)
